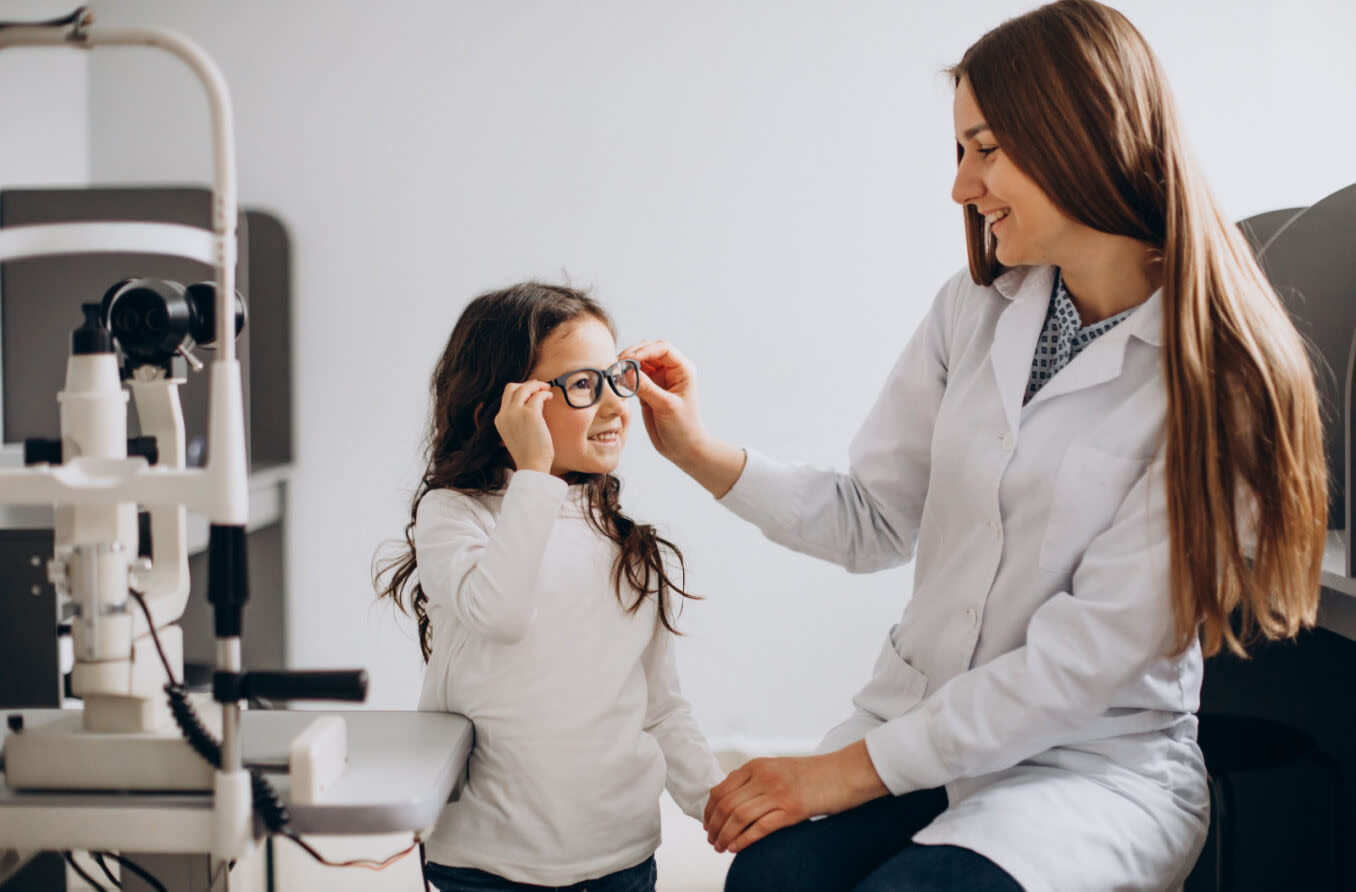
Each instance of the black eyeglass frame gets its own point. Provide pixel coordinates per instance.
(610, 375)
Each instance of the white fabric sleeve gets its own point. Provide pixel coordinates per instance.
(692, 768)
(868, 518)
(483, 570)
(1082, 647)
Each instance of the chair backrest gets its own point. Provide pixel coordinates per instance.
(1350, 466)
(1311, 262)
(1259, 229)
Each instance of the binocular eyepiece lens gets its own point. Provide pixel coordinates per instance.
(152, 319)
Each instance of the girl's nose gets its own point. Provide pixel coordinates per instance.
(611, 404)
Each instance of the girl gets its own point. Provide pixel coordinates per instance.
(545, 614)
(1078, 443)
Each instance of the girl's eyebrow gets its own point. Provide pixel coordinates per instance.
(975, 130)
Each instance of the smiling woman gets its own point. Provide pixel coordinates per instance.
(1078, 444)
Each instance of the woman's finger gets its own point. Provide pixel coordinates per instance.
(768, 823)
(726, 804)
(654, 355)
(742, 819)
(733, 781)
(651, 393)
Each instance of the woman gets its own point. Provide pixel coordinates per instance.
(1077, 445)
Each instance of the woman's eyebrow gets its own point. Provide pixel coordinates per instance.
(975, 130)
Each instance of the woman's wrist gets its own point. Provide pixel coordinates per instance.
(852, 777)
(714, 464)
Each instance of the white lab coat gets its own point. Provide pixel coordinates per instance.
(1029, 673)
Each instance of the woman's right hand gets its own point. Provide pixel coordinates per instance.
(668, 396)
(522, 427)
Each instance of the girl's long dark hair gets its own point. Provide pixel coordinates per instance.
(495, 342)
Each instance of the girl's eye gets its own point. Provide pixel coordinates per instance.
(581, 384)
(986, 151)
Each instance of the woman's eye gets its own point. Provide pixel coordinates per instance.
(581, 384)
(987, 150)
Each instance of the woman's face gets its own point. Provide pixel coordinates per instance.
(1027, 226)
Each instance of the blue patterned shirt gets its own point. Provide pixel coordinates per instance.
(1063, 337)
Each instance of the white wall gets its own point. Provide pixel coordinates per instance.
(44, 106)
(763, 183)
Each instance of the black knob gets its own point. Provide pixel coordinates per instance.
(91, 337)
(144, 447)
(39, 451)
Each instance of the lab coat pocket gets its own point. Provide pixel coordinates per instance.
(895, 686)
(1089, 490)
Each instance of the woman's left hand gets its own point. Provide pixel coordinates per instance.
(764, 795)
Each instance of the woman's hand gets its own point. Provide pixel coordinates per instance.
(668, 396)
(768, 794)
(522, 427)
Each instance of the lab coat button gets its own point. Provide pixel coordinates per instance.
(1007, 441)
(973, 615)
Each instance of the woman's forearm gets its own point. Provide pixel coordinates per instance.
(714, 464)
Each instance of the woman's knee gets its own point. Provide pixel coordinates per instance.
(776, 863)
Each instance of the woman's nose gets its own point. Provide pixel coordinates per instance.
(967, 187)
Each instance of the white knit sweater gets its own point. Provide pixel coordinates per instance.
(580, 723)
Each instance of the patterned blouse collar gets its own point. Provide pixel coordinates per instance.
(1064, 336)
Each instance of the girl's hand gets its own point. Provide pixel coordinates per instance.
(768, 794)
(522, 427)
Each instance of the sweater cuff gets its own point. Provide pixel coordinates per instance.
(905, 756)
(537, 485)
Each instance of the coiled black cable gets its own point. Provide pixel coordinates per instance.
(266, 800)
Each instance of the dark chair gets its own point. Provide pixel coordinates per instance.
(1311, 262)
(1309, 255)
(1233, 744)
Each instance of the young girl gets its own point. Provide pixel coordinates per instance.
(545, 614)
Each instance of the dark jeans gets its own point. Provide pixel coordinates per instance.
(640, 878)
(866, 849)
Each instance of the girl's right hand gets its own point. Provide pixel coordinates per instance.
(522, 427)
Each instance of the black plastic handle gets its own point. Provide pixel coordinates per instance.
(318, 684)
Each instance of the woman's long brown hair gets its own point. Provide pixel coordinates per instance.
(1077, 100)
(496, 341)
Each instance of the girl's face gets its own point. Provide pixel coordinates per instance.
(586, 440)
(1027, 226)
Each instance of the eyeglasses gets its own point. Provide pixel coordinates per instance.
(584, 387)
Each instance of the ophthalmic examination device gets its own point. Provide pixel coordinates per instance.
(143, 770)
